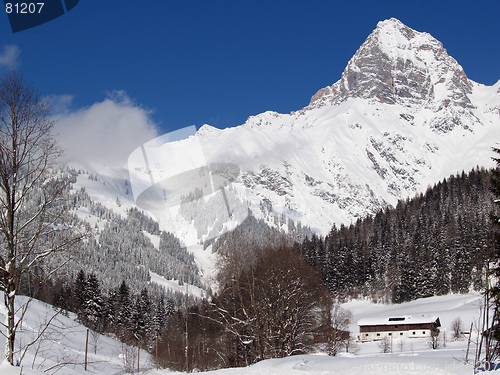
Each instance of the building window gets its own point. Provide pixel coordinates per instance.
(423, 332)
(400, 333)
(414, 332)
(366, 334)
(390, 333)
(378, 334)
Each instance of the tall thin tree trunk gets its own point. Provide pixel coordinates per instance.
(11, 334)
(186, 349)
(9, 299)
(468, 344)
(28, 153)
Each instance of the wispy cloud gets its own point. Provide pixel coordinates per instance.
(60, 104)
(104, 133)
(8, 58)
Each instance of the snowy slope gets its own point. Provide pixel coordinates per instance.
(106, 184)
(66, 343)
(403, 116)
(62, 347)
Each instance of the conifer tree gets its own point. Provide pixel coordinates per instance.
(159, 319)
(79, 296)
(123, 311)
(493, 352)
(141, 318)
(93, 303)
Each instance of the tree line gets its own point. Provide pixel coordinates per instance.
(133, 318)
(432, 244)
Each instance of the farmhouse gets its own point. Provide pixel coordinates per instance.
(400, 326)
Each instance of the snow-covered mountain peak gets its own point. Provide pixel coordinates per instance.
(403, 116)
(399, 42)
(398, 65)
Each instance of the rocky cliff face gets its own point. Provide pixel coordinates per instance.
(397, 65)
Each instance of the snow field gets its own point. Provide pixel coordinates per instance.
(61, 349)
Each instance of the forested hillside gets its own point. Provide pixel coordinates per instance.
(120, 248)
(433, 244)
(116, 248)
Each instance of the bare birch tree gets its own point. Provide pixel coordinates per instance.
(32, 225)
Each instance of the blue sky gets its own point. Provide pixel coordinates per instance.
(182, 63)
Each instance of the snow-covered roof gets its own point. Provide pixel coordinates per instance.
(405, 319)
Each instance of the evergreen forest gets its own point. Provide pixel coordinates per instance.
(433, 244)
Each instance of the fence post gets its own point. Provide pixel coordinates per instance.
(138, 355)
(86, 348)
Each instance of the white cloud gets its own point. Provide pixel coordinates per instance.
(104, 133)
(8, 58)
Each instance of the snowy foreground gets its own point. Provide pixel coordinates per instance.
(62, 349)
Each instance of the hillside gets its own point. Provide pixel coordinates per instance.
(63, 346)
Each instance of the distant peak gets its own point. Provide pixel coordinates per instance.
(397, 64)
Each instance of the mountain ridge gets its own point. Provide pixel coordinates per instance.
(402, 126)
(403, 116)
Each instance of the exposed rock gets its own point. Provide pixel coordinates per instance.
(397, 65)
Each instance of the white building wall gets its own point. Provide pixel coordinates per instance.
(374, 336)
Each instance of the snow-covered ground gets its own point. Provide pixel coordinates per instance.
(412, 356)
(175, 286)
(62, 349)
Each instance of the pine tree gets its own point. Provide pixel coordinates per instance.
(109, 312)
(141, 318)
(493, 352)
(123, 308)
(94, 304)
(159, 319)
(80, 296)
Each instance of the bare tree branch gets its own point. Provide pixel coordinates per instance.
(31, 189)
